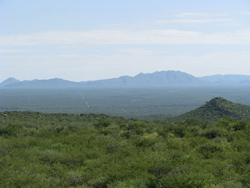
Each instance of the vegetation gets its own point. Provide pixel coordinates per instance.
(98, 151)
(218, 108)
(154, 103)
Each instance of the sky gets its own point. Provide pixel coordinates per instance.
(82, 40)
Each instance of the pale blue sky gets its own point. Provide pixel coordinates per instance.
(88, 40)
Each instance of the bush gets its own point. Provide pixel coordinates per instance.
(102, 123)
(214, 132)
(196, 122)
(240, 126)
(12, 130)
(163, 132)
(208, 150)
(136, 128)
(230, 184)
(135, 125)
(144, 142)
(180, 130)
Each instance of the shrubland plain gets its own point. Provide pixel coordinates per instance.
(88, 150)
(143, 103)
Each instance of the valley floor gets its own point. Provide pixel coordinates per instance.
(143, 103)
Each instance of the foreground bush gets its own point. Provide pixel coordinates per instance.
(60, 150)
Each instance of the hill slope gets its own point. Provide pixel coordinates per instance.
(218, 108)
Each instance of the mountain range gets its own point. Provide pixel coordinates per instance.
(156, 79)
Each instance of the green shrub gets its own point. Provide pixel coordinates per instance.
(196, 122)
(240, 126)
(135, 125)
(163, 131)
(102, 123)
(214, 132)
(180, 130)
(12, 130)
(144, 142)
(209, 150)
(229, 184)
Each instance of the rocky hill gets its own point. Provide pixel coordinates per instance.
(218, 108)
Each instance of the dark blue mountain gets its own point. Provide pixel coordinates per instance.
(51, 83)
(156, 79)
(9, 81)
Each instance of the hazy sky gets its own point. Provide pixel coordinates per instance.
(96, 39)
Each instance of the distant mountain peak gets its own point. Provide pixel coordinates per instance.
(46, 83)
(9, 81)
